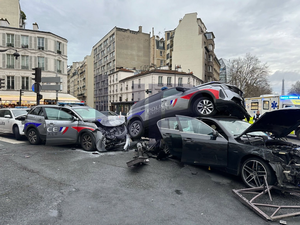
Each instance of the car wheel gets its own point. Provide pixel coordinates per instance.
(204, 107)
(298, 134)
(136, 129)
(33, 136)
(254, 170)
(87, 142)
(16, 133)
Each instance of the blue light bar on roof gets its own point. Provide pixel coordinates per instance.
(284, 97)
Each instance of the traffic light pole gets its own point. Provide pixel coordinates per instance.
(20, 100)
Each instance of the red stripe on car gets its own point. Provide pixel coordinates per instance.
(81, 128)
(213, 91)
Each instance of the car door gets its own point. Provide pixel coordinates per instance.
(169, 102)
(59, 127)
(2, 121)
(7, 121)
(170, 133)
(200, 145)
(153, 110)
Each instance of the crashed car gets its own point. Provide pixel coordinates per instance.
(58, 125)
(206, 99)
(251, 151)
(10, 123)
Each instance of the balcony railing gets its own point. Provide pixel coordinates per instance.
(58, 51)
(10, 45)
(10, 66)
(24, 46)
(59, 71)
(24, 67)
(40, 48)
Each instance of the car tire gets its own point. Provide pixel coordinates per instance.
(87, 142)
(204, 106)
(253, 171)
(16, 133)
(136, 129)
(298, 134)
(33, 136)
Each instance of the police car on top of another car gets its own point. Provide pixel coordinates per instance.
(9, 122)
(204, 100)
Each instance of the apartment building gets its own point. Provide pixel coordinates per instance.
(157, 51)
(224, 70)
(81, 80)
(191, 47)
(36, 49)
(126, 87)
(119, 48)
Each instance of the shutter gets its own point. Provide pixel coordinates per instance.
(18, 85)
(34, 43)
(3, 39)
(18, 63)
(36, 61)
(3, 60)
(55, 65)
(62, 48)
(18, 44)
(46, 43)
(30, 42)
(46, 64)
(62, 67)
(30, 62)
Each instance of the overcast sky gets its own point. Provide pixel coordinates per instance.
(268, 29)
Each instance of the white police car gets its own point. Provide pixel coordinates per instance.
(9, 122)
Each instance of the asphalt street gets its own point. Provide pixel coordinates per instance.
(66, 185)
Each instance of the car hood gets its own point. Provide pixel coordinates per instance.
(112, 121)
(280, 122)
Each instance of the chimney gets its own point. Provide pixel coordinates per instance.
(152, 31)
(35, 26)
(4, 22)
(140, 29)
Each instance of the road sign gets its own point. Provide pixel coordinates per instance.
(51, 79)
(53, 87)
(36, 87)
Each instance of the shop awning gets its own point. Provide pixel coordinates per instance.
(12, 97)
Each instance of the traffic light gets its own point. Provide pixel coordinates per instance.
(21, 92)
(148, 91)
(39, 96)
(37, 74)
(2, 83)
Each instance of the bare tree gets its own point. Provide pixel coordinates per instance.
(250, 75)
(295, 89)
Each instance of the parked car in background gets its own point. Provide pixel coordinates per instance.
(238, 147)
(9, 122)
(204, 100)
(73, 124)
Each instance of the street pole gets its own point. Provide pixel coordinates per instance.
(56, 100)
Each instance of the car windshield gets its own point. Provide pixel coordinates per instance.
(19, 112)
(89, 113)
(237, 127)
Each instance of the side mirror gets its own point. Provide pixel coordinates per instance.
(214, 135)
(182, 89)
(7, 116)
(75, 118)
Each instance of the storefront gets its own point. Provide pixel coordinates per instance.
(12, 98)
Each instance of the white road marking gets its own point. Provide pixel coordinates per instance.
(12, 141)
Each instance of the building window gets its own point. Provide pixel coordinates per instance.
(189, 80)
(25, 83)
(180, 81)
(139, 83)
(132, 85)
(168, 46)
(161, 62)
(24, 62)
(160, 53)
(10, 82)
(41, 43)
(210, 47)
(58, 47)
(10, 41)
(210, 68)
(59, 66)
(210, 58)
(160, 83)
(168, 56)
(168, 36)
(169, 81)
(24, 41)
(105, 42)
(10, 62)
(41, 63)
